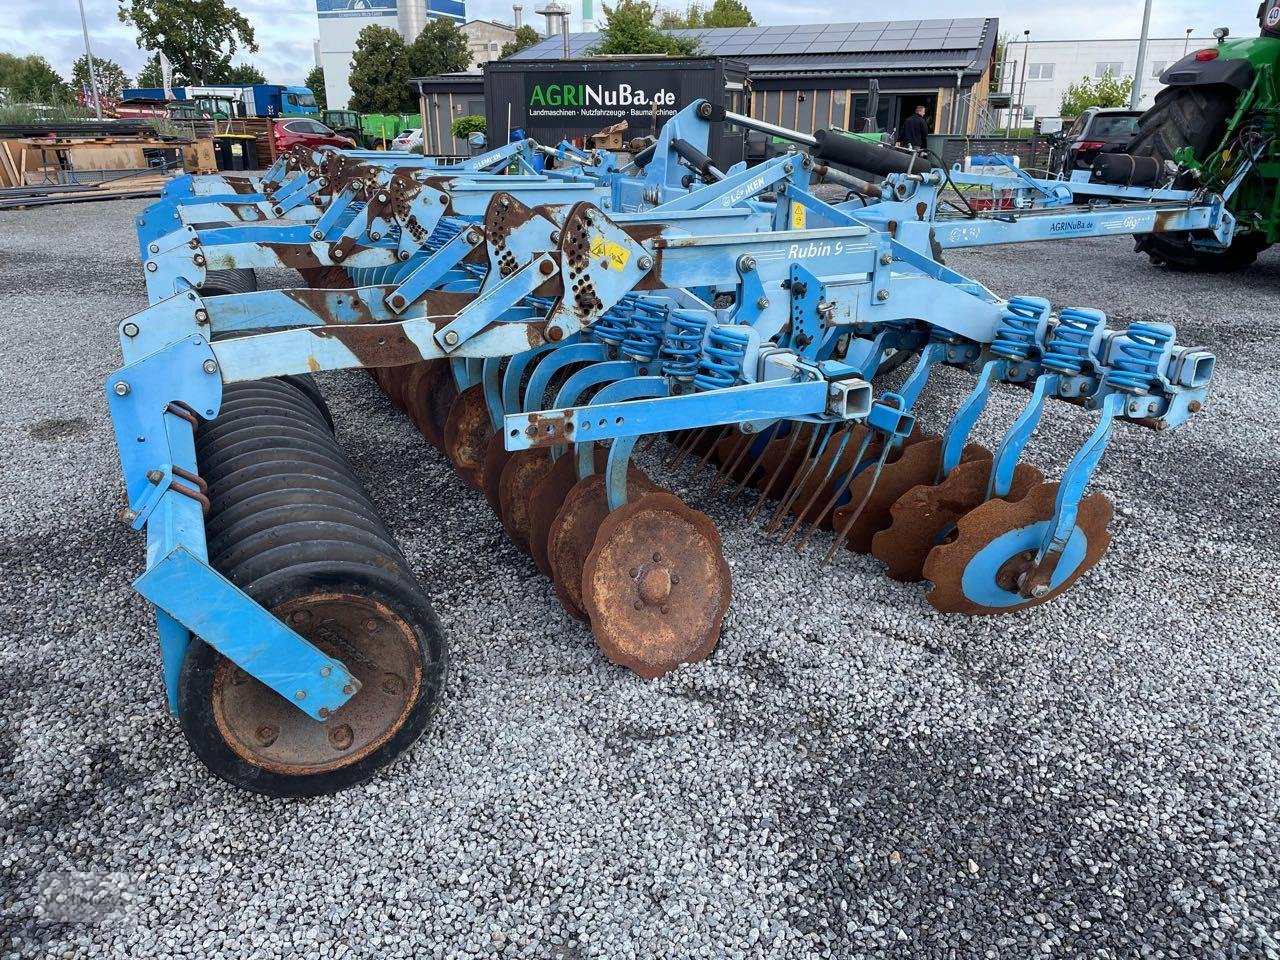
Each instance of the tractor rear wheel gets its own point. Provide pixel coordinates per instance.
(1194, 117)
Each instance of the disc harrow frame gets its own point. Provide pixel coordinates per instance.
(536, 328)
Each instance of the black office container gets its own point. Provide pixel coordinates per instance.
(553, 100)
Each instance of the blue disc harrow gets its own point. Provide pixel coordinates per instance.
(540, 326)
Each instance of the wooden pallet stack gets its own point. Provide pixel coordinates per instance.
(65, 169)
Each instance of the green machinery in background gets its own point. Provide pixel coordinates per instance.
(1217, 122)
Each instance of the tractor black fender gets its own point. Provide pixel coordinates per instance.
(1190, 72)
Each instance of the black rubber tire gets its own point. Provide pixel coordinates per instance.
(215, 444)
(220, 283)
(255, 412)
(272, 385)
(1193, 117)
(304, 505)
(220, 476)
(236, 487)
(281, 438)
(201, 664)
(240, 556)
(307, 384)
(269, 481)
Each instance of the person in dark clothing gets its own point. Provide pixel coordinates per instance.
(915, 131)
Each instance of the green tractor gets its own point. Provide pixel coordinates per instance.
(1218, 122)
(345, 123)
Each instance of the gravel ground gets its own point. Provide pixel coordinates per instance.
(850, 774)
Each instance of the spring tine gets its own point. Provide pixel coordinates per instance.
(843, 533)
(792, 439)
(682, 449)
(706, 456)
(797, 480)
(750, 472)
(726, 470)
(839, 489)
(846, 433)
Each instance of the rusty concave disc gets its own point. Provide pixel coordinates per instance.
(466, 435)
(656, 585)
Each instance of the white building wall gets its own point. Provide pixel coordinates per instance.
(1053, 65)
(339, 23)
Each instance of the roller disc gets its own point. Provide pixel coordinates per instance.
(415, 393)
(978, 571)
(466, 435)
(917, 463)
(519, 477)
(656, 585)
(496, 456)
(573, 533)
(442, 391)
(925, 514)
(546, 499)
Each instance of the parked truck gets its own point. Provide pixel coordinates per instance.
(249, 100)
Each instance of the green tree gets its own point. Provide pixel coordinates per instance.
(380, 72)
(675, 20)
(721, 13)
(315, 83)
(30, 79)
(440, 48)
(1104, 91)
(242, 73)
(198, 36)
(728, 13)
(525, 36)
(111, 76)
(630, 28)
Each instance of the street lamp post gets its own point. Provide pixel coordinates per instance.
(1187, 43)
(88, 55)
(1022, 93)
(1135, 97)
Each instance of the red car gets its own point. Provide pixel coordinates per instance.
(299, 131)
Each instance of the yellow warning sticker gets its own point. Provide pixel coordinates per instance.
(613, 254)
(797, 216)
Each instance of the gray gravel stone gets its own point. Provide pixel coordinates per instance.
(850, 774)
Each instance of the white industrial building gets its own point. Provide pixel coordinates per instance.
(340, 23)
(1053, 65)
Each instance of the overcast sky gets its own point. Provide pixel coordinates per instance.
(286, 28)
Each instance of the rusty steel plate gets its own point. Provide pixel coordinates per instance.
(546, 499)
(466, 435)
(947, 563)
(496, 456)
(573, 533)
(519, 476)
(924, 515)
(377, 646)
(656, 585)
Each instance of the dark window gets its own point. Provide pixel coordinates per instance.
(1113, 126)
